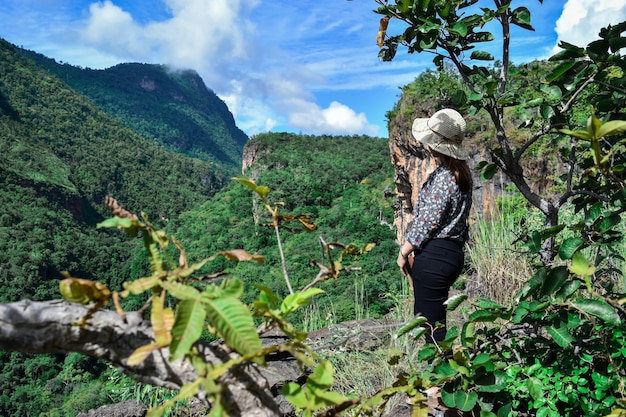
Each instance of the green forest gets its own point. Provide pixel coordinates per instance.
(63, 152)
(547, 341)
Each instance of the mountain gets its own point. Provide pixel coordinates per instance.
(60, 155)
(173, 108)
(345, 185)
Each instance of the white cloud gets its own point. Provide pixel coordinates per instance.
(337, 118)
(238, 58)
(582, 20)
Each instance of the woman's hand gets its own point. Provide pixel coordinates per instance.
(403, 259)
(403, 263)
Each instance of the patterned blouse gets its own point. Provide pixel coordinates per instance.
(441, 211)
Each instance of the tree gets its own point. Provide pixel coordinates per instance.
(450, 31)
(567, 323)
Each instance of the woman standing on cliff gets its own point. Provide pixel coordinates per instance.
(439, 228)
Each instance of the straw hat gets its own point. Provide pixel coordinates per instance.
(443, 132)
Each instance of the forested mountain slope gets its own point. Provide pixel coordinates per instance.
(60, 155)
(345, 183)
(173, 108)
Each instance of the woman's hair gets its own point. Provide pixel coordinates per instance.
(459, 169)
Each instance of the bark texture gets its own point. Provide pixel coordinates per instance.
(50, 327)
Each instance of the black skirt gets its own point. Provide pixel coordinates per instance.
(435, 268)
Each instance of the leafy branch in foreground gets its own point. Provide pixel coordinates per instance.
(202, 303)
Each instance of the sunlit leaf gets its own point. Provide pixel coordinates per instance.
(181, 291)
(416, 322)
(262, 191)
(162, 320)
(583, 134)
(121, 223)
(297, 299)
(612, 127)
(580, 265)
(600, 309)
(142, 284)
(188, 327)
(453, 302)
(141, 353)
(233, 322)
(561, 335)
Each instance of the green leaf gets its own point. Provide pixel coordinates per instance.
(297, 299)
(122, 223)
(483, 360)
(187, 328)
(427, 352)
(607, 223)
(481, 56)
(459, 29)
(555, 280)
(552, 231)
(552, 91)
(583, 134)
(181, 291)
(580, 265)
(560, 71)
(535, 241)
(534, 388)
(569, 247)
(468, 334)
(465, 401)
(142, 284)
(262, 191)
(483, 316)
(613, 127)
(547, 111)
(488, 173)
(600, 309)
(234, 324)
(561, 336)
(268, 296)
(569, 52)
(453, 302)
(521, 18)
(231, 288)
(322, 376)
(416, 322)
(568, 289)
(295, 394)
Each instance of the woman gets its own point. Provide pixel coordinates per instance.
(439, 228)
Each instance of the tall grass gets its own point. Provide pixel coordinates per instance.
(497, 267)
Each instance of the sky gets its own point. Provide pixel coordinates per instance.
(301, 66)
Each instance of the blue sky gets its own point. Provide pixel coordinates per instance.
(303, 66)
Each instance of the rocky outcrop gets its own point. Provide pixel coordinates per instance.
(123, 409)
